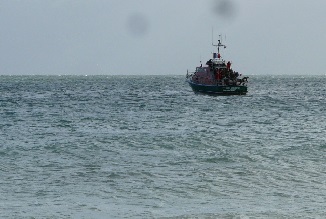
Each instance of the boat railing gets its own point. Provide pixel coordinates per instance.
(197, 77)
(190, 74)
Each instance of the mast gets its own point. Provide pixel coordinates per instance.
(218, 45)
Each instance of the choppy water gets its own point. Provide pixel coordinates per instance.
(148, 147)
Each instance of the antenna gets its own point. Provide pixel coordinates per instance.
(212, 36)
(219, 43)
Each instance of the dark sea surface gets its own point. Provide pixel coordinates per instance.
(148, 147)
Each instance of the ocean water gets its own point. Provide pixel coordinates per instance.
(148, 147)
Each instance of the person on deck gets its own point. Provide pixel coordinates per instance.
(228, 65)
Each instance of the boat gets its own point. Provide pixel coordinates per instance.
(217, 77)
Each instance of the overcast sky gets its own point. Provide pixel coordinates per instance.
(160, 36)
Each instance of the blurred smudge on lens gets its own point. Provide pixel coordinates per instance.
(224, 8)
(138, 25)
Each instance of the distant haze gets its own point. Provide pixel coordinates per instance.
(160, 36)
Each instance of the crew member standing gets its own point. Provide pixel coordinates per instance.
(228, 65)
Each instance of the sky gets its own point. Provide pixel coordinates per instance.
(158, 37)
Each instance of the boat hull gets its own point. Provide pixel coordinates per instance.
(218, 89)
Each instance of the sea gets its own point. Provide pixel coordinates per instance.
(149, 147)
